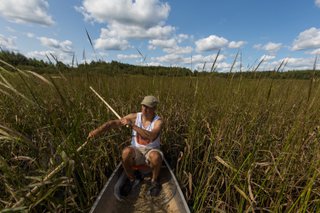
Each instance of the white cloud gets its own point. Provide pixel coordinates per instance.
(131, 56)
(143, 13)
(270, 47)
(221, 67)
(317, 2)
(290, 64)
(116, 36)
(154, 64)
(182, 37)
(176, 59)
(212, 42)
(208, 59)
(236, 44)
(30, 35)
(298, 63)
(64, 57)
(64, 46)
(178, 50)
(308, 39)
(111, 44)
(7, 43)
(26, 11)
(40, 54)
(127, 19)
(257, 46)
(267, 58)
(10, 29)
(169, 43)
(170, 59)
(315, 52)
(136, 32)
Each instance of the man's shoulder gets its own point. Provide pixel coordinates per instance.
(131, 115)
(159, 120)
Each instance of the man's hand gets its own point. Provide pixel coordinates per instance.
(92, 134)
(126, 122)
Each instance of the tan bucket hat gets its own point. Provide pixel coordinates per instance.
(150, 101)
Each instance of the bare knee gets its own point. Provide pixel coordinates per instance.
(155, 158)
(127, 153)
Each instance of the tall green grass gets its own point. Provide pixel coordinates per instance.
(241, 146)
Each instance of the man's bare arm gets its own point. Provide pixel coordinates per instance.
(150, 135)
(112, 124)
(104, 127)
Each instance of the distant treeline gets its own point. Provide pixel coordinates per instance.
(114, 68)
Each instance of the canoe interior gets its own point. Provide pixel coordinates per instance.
(170, 199)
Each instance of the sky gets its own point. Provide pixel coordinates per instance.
(191, 34)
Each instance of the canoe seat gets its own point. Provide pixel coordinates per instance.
(141, 167)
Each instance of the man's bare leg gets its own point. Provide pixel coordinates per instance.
(128, 161)
(155, 160)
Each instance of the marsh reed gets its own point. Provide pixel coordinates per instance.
(247, 146)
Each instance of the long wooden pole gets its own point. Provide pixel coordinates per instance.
(58, 168)
(116, 114)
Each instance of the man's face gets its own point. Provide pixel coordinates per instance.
(146, 110)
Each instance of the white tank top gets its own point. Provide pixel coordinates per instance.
(138, 141)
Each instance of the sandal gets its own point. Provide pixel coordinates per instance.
(154, 189)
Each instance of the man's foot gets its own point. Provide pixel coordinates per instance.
(138, 175)
(154, 189)
(127, 187)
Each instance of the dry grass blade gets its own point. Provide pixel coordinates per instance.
(312, 79)
(14, 68)
(214, 62)
(220, 160)
(89, 38)
(14, 134)
(24, 158)
(283, 63)
(5, 82)
(190, 182)
(72, 62)
(6, 71)
(40, 77)
(84, 56)
(242, 193)
(18, 93)
(6, 94)
(261, 61)
(50, 62)
(234, 62)
(4, 133)
(54, 58)
(47, 177)
(204, 66)
(249, 187)
(315, 63)
(36, 188)
(142, 56)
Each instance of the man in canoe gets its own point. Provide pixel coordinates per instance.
(145, 144)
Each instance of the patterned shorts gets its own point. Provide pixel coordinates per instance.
(142, 155)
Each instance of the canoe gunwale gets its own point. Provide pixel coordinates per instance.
(184, 202)
(104, 188)
(117, 174)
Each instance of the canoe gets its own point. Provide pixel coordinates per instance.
(170, 199)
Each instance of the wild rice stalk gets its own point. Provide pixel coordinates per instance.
(312, 79)
(213, 68)
(40, 77)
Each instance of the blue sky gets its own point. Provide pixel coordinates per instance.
(170, 33)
